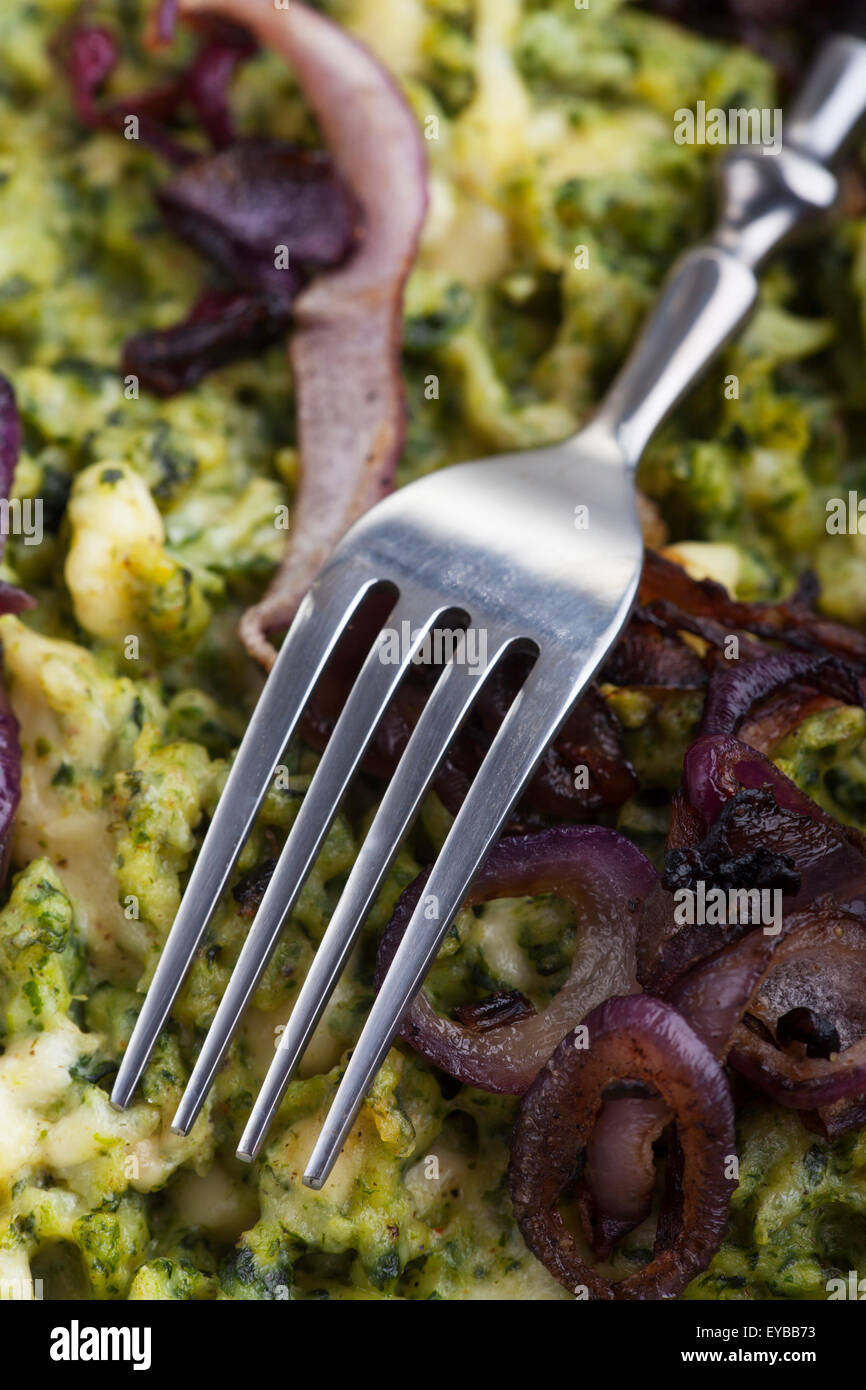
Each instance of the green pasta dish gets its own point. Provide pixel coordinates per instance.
(170, 491)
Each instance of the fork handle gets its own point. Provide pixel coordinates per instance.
(711, 289)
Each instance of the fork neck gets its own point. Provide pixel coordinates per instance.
(713, 288)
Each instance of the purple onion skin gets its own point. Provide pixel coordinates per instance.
(165, 20)
(237, 205)
(222, 328)
(714, 995)
(828, 1083)
(12, 600)
(581, 864)
(10, 777)
(635, 1038)
(831, 858)
(620, 1169)
(827, 940)
(210, 77)
(732, 692)
(10, 439)
(234, 206)
(88, 54)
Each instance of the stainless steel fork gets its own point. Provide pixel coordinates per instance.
(538, 551)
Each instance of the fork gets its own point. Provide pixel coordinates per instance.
(538, 551)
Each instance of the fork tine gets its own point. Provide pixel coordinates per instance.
(367, 702)
(529, 727)
(319, 623)
(440, 719)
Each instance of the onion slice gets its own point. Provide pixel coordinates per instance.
(605, 879)
(792, 622)
(737, 806)
(636, 1038)
(620, 1168)
(733, 691)
(714, 995)
(12, 600)
(10, 440)
(820, 965)
(620, 1171)
(346, 349)
(829, 857)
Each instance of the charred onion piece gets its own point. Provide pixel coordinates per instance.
(740, 804)
(238, 205)
(221, 328)
(792, 622)
(734, 691)
(817, 1034)
(89, 54)
(640, 1039)
(10, 439)
(12, 600)
(650, 653)
(505, 1006)
(715, 994)
(605, 879)
(829, 857)
(346, 349)
(819, 969)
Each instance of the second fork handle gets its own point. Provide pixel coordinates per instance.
(711, 289)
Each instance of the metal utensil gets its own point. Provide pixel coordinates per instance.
(495, 541)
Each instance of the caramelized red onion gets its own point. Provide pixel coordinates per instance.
(235, 207)
(605, 879)
(619, 1170)
(733, 692)
(10, 439)
(210, 77)
(10, 777)
(89, 54)
(346, 349)
(746, 825)
(635, 1039)
(12, 600)
(715, 994)
(792, 622)
(819, 969)
(741, 989)
(220, 328)
(591, 737)
(827, 856)
(650, 653)
(238, 205)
